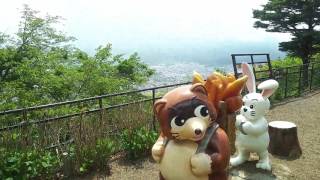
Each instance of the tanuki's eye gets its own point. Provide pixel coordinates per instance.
(177, 121)
(201, 111)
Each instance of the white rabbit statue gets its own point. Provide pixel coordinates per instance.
(252, 128)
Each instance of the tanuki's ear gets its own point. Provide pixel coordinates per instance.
(199, 88)
(158, 105)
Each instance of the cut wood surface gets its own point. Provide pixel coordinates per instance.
(284, 139)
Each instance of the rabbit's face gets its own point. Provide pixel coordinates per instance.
(254, 106)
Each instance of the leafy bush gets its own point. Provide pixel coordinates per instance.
(138, 142)
(28, 164)
(286, 62)
(104, 149)
(80, 159)
(43, 164)
(292, 79)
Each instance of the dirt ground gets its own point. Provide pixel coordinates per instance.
(304, 112)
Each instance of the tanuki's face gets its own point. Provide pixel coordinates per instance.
(189, 120)
(185, 113)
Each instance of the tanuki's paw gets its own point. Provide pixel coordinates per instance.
(157, 151)
(201, 164)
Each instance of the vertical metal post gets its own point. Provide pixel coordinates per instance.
(253, 68)
(154, 116)
(300, 74)
(270, 66)
(24, 128)
(311, 77)
(101, 109)
(24, 115)
(234, 65)
(101, 115)
(286, 84)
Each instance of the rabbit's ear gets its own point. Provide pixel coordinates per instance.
(268, 87)
(251, 82)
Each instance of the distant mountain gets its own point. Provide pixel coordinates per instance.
(209, 54)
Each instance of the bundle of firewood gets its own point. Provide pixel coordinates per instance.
(223, 88)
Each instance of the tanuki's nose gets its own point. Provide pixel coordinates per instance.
(198, 131)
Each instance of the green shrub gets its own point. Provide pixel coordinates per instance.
(286, 62)
(104, 148)
(44, 164)
(292, 79)
(28, 164)
(85, 158)
(138, 142)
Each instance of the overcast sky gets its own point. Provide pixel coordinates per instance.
(155, 27)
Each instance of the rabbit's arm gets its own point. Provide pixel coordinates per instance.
(254, 129)
(239, 118)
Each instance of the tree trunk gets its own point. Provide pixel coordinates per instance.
(283, 139)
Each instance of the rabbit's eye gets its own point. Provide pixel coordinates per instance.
(251, 106)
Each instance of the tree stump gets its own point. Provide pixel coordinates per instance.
(284, 139)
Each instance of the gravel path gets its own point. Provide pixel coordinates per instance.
(304, 112)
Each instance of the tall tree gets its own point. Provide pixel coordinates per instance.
(40, 65)
(300, 18)
(35, 37)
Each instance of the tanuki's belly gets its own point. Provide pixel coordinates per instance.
(175, 163)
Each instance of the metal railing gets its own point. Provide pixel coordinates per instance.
(57, 123)
(292, 80)
(80, 121)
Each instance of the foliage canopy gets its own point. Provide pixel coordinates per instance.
(39, 64)
(300, 18)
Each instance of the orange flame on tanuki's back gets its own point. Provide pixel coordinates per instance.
(223, 88)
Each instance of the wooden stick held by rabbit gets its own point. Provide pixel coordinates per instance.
(252, 128)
